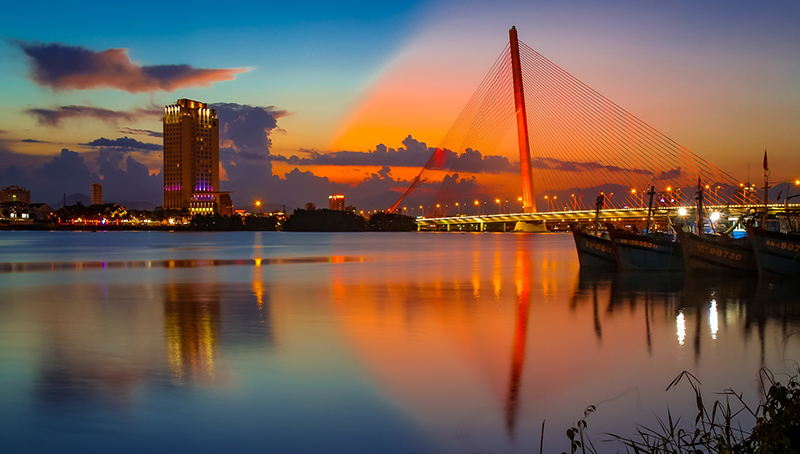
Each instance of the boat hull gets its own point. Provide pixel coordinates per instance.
(593, 251)
(644, 252)
(713, 253)
(777, 254)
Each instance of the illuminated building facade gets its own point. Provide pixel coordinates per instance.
(191, 157)
(15, 194)
(336, 202)
(97, 194)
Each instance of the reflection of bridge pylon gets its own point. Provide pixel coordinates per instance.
(523, 271)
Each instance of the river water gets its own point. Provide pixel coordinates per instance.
(358, 342)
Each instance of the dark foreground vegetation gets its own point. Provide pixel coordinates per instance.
(97, 217)
(346, 221)
(716, 428)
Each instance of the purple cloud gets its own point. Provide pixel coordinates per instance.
(124, 143)
(54, 116)
(62, 67)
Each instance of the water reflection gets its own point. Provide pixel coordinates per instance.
(28, 267)
(466, 349)
(191, 329)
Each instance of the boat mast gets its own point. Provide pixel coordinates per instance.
(650, 192)
(766, 191)
(699, 199)
(598, 205)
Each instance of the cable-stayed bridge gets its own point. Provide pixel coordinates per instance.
(574, 144)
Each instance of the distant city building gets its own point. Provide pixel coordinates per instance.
(336, 202)
(310, 206)
(225, 204)
(15, 194)
(191, 157)
(41, 211)
(97, 194)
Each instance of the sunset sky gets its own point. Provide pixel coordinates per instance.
(83, 85)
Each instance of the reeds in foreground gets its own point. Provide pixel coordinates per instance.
(716, 428)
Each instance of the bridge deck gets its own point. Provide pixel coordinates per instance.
(587, 215)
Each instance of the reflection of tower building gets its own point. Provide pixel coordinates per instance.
(97, 194)
(191, 157)
(191, 324)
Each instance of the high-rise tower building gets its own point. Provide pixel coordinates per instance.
(336, 202)
(97, 194)
(191, 157)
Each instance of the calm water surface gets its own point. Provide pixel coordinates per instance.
(368, 342)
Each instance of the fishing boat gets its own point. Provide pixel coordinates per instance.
(713, 252)
(716, 253)
(594, 250)
(656, 251)
(649, 251)
(777, 254)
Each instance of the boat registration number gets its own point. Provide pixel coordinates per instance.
(638, 243)
(598, 246)
(783, 245)
(709, 250)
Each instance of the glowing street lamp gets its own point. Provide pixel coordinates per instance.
(458, 207)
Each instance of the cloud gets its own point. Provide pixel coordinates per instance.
(61, 67)
(414, 154)
(33, 141)
(124, 143)
(145, 132)
(67, 173)
(54, 116)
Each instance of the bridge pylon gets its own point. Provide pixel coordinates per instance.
(528, 202)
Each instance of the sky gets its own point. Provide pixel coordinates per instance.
(353, 97)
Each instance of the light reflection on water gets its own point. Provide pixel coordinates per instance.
(360, 343)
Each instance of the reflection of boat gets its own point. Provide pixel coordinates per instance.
(593, 251)
(776, 253)
(652, 252)
(716, 252)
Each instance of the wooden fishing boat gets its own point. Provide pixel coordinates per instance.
(716, 253)
(651, 252)
(593, 251)
(776, 253)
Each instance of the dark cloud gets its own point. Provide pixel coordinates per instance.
(585, 166)
(54, 116)
(414, 154)
(247, 128)
(670, 174)
(145, 132)
(68, 173)
(62, 67)
(33, 141)
(125, 143)
(245, 148)
(134, 183)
